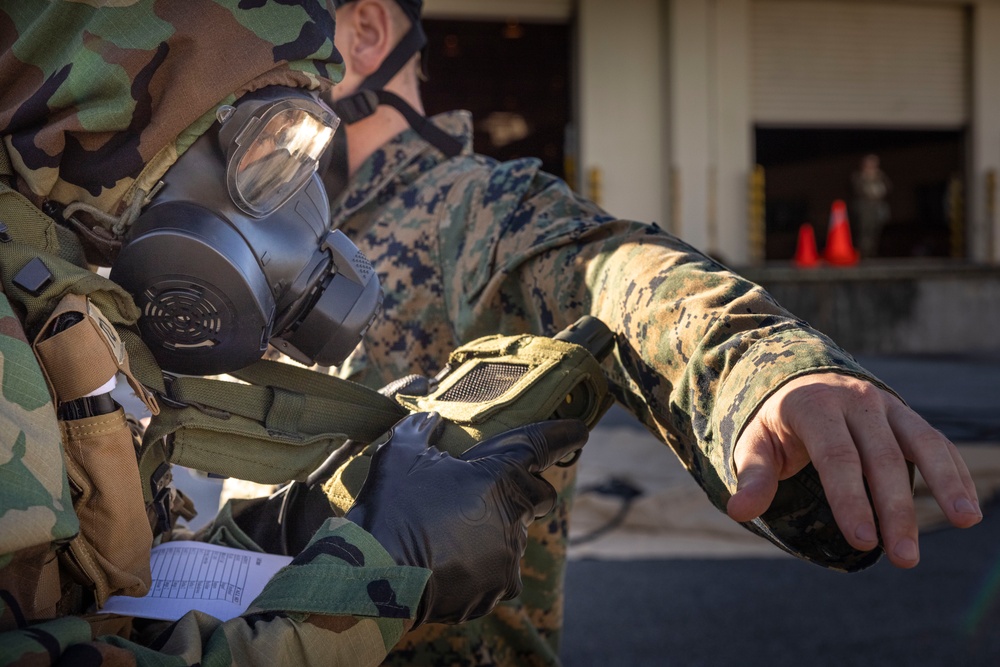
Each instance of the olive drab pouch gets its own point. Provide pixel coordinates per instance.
(498, 383)
(111, 553)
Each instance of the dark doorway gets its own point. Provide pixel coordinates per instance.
(514, 78)
(807, 169)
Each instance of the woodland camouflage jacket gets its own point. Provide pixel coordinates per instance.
(96, 101)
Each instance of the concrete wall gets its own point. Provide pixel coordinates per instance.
(665, 115)
(663, 108)
(931, 308)
(706, 143)
(733, 148)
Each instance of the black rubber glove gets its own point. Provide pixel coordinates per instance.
(465, 519)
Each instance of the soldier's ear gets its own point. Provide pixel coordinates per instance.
(373, 38)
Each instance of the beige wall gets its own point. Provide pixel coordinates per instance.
(664, 110)
(664, 115)
(710, 147)
(621, 115)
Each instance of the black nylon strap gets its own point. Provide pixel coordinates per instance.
(412, 42)
(434, 135)
(356, 106)
(362, 104)
(371, 93)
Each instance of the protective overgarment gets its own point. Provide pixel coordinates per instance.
(96, 104)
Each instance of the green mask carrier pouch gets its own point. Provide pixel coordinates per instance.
(497, 383)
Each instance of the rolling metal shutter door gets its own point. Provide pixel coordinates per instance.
(858, 64)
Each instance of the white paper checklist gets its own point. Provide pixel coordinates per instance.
(220, 581)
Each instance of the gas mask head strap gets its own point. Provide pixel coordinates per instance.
(371, 92)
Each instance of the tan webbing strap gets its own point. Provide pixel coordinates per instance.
(79, 360)
(146, 370)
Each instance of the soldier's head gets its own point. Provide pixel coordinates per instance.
(380, 40)
(181, 142)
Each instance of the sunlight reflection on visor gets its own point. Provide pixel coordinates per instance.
(280, 159)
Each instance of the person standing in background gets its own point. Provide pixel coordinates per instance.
(871, 186)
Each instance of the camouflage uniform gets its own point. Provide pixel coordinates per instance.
(468, 246)
(96, 102)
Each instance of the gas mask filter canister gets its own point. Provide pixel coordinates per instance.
(235, 251)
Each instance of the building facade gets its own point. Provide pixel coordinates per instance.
(731, 122)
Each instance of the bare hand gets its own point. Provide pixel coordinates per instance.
(852, 431)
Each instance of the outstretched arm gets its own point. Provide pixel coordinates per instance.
(703, 359)
(853, 433)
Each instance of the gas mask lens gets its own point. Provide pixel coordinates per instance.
(276, 152)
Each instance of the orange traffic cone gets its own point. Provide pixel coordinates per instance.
(839, 249)
(806, 254)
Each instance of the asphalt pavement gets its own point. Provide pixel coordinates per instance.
(756, 611)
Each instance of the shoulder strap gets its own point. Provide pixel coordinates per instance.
(278, 427)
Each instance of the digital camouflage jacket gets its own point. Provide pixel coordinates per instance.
(468, 246)
(97, 99)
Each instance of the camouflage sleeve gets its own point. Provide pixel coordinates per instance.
(342, 601)
(699, 348)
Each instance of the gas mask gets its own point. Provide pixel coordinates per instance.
(235, 250)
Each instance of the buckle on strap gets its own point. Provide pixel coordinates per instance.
(158, 510)
(357, 106)
(169, 503)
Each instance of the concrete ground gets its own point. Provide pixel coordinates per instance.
(689, 595)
